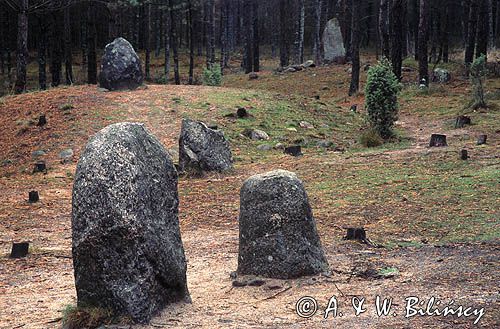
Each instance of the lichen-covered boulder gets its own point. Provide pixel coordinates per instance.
(441, 76)
(278, 236)
(127, 250)
(203, 149)
(120, 66)
(333, 42)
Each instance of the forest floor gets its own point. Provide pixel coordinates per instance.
(434, 217)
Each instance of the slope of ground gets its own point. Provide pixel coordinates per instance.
(435, 216)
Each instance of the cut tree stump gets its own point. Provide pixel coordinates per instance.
(42, 121)
(482, 139)
(40, 167)
(356, 233)
(464, 155)
(438, 140)
(295, 150)
(33, 197)
(19, 250)
(462, 121)
(241, 113)
(354, 108)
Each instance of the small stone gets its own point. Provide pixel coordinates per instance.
(264, 147)
(38, 153)
(354, 108)
(324, 144)
(295, 150)
(279, 146)
(19, 250)
(255, 134)
(366, 67)
(66, 155)
(441, 76)
(306, 125)
(253, 76)
(292, 129)
(325, 88)
(309, 63)
(103, 90)
(290, 70)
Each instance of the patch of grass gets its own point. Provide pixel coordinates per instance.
(370, 138)
(388, 271)
(66, 107)
(77, 317)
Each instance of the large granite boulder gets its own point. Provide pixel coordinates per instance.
(278, 236)
(120, 66)
(127, 250)
(203, 149)
(333, 43)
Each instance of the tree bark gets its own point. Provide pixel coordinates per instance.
(256, 37)
(22, 47)
(284, 13)
(91, 45)
(398, 11)
(318, 4)
(483, 29)
(384, 28)
(210, 7)
(356, 39)
(174, 42)
(191, 42)
(470, 44)
(68, 58)
(423, 36)
(42, 53)
(147, 41)
(167, 44)
(299, 32)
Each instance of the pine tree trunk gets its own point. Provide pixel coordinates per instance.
(174, 42)
(167, 44)
(191, 42)
(147, 41)
(256, 36)
(42, 53)
(318, 4)
(22, 47)
(356, 39)
(483, 29)
(68, 57)
(299, 31)
(91, 45)
(284, 13)
(384, 28)
(210, 8)
(470, 44)
(398, 11)
(56, 49)
(423, 36)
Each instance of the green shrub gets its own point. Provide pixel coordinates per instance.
(382, 88)
(371, 138)
(212, 76)
(478, 74)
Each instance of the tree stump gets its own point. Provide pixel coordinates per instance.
(40, 167)
(462, 121)
(42, 121)
(33, 197)
(482, 139)
(19, 250)
(464, 155)
(438, 140)
(356, 233)
(241, 113)
(354, 108)
(295, 150)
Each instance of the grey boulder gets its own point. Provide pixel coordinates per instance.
(203, 149)
(441, 76)
(278, 236)
(127, 249)
(333, 42)
(120, 67)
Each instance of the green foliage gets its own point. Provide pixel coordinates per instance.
(212, 76)
(382, 88)
(478, 74)
(371, 138)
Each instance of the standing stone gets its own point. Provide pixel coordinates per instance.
(438, 140)
(333, 42)
(127, 250)
(278, 236)
(203, 149)
(120, 66)
(482, 139)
